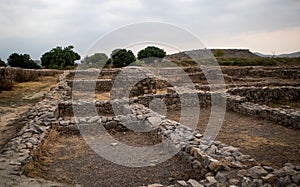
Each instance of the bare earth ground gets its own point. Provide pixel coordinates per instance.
(269, 143)
(16, 102)
(67, 158)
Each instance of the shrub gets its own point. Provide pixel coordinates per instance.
(60, 58)
(122, 57)
(2, 63)
(22, 61)
(150, 54)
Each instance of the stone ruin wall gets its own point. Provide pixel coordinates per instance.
(225, 164)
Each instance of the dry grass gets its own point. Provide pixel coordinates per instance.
(50, 151)
(256, 141)
(15, 96)
(42, 156)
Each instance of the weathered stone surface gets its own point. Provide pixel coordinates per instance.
(194, 183)
(155, 185)
(256, 172)
(270, 178)
(182, 183)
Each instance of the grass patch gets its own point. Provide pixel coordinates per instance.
(14, 97)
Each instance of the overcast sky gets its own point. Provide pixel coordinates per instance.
(36, 26)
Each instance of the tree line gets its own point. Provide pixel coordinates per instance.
(124, 57)
(64, 58)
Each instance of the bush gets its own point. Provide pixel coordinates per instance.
(22, 61)
(150, 54)
(96, 60)
(2, 63)
(122, 57)
(60, 58)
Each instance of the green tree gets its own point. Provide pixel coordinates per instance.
(96, 59)
(150, 53)
(122, 57)
(22, 61)
(60, 58)
(2, 63)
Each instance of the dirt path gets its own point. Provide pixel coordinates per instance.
(16, 102)
(269, 143)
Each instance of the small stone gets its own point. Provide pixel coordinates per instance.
(196, 164)
(64, 123)
(155, 185)
(114, 144)
(198, 135)
(154, 121)
(182, 183)
(289, 165)
(194, 183)
(296, 178)
(268, 168)
(247, 182)
(279, 173)
(82, 120)
(258, 182)
(211, 180)
(33, 141)
(256, 172)
(220, 177)
(234, 181)
(284, 181)
(270, 178)
(288, 170)
(94, 119)
(267, 185)
(15, 163)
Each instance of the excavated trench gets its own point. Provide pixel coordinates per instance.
(66, 157)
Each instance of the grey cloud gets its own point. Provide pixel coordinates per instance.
(83, 21)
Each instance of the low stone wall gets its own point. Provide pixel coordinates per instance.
(100, 85)
(95, 73)
(267, 94)
(10, 75)
(286, 117)
(278, 72)
(66, 108)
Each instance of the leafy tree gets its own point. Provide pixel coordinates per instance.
(150, 53)
(96, 59)
(60, 58)
(22, 61)
(2, 63)
(122, 57)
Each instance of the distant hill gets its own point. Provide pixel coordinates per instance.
(291, 55)
(206, 53)
(262, 55)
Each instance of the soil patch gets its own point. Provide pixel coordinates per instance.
(67, 158)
